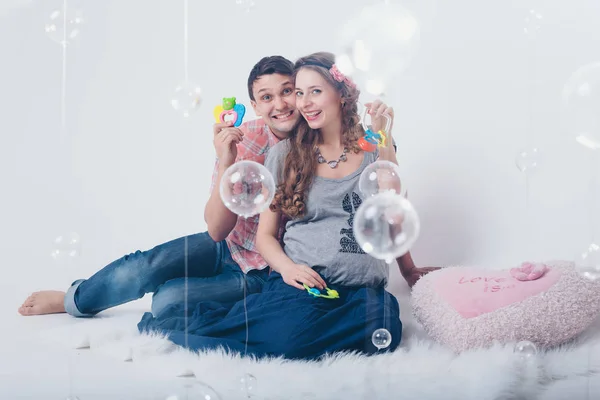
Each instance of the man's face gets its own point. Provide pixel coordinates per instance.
(275, 102)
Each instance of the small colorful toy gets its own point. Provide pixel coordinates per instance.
(230, 108)
(331, 294)
(372, 140)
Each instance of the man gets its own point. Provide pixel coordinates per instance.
(216, 260)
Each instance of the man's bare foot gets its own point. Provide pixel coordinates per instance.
(45, 302)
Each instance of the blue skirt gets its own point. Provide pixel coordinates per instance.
(284, 321)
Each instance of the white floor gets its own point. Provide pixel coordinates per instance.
(34, 368)
(31, 368)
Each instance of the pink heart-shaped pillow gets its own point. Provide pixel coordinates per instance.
(545, 303)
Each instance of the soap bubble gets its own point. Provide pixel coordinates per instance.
(588, 264)
(526, 349)
(247, 5)
(381, 338)
(55, 26)
(532, 23)
(581, 102)
(187, 98)
(66, 246)
(377, 44)
(381, 176)
(248, 385)
(386, 226)
(527, 160)
(194, 391)
(247, 188)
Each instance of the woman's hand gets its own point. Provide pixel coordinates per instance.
(377, 109)
(296, 274)
(378, 112)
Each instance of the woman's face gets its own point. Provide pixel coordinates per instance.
(316, 99)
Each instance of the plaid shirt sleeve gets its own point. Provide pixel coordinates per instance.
(241, 240)
(241, 152)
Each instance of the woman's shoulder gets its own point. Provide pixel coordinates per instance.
(280, 149)
(276, 157)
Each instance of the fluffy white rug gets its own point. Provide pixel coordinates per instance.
(420, 369)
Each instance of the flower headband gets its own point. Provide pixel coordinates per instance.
(340, 77)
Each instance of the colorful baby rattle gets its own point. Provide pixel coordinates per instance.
(371, 140)
(229, 107)
(331, 294)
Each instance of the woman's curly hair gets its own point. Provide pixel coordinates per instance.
(301, 163)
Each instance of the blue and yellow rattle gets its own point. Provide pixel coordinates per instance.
(372, 140)
(331, 294)
(229, 107)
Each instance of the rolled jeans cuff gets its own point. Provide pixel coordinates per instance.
(70, 306)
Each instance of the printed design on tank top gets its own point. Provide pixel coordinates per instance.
(348, 243)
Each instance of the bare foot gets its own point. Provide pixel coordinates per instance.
(45, 302)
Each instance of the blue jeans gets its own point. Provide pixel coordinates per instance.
(284, 322)
(212, 276)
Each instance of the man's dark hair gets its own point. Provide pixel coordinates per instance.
(267, 66)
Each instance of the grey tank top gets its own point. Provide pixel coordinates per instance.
(323, 238)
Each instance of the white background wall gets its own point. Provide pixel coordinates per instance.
(132, 173)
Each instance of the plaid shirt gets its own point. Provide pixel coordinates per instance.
(258, 139)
